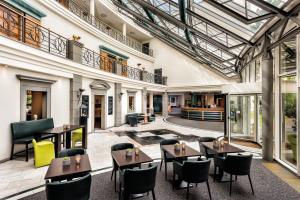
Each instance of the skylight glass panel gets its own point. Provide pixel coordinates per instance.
(277, 3)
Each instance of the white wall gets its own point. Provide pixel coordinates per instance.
(110, 121)
(182, 70)
(124, 101)
(10, 103)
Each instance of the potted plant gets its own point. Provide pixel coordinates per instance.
(66, 161)
(177, 147)
(292, 140)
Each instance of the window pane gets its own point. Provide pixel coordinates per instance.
(288, 91)
(288, 56)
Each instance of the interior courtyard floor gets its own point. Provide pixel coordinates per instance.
(18, 176)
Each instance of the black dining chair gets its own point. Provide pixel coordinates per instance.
(192, 172)
(133, 120)
(165, 156)
(77, 189)
(238, 165)
(71, 152)
(208, 153)
(137, 181)
(117, 147)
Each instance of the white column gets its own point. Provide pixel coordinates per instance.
(92, 7)
(124, 29)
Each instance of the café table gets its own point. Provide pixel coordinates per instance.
(124, 161)
(59, 131)
(222, 151)
(181, 153)
(57, 171)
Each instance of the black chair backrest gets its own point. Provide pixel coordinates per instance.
(138, 181)
(238, 164)
(195, 171)
(133, 119)
(121, 146)
(29, 128)
(167, 142)
(71, 152)
(204, 139)
(77, 189)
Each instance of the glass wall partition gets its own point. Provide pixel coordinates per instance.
(245, 113)
(288, 102)
(288, 95)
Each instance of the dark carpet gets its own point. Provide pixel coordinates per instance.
(206, 125)
(267, 186)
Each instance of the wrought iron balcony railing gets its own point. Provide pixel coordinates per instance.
(103, 27)
(21, 28)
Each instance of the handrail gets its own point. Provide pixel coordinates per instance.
(20, 28)
(105, 28)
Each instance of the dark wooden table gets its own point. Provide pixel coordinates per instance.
(222, 151)
(59, 131)
(227, 148)
(124, 161)
(188, 152)
(57, 171)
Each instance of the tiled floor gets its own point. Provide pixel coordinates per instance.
(17, 175)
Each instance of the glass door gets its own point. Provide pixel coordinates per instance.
(243, 111)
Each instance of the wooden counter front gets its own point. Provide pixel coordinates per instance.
(205, 114)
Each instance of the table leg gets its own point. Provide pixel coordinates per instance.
(68, 139)
(84, 137)
(57, 144)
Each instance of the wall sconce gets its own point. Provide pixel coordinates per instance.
(4, 66)
(139, 64)
(79, 93)
(120, 96)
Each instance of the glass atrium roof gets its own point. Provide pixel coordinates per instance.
(214, 32)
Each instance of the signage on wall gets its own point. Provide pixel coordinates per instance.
(110, 105)
(85, 106)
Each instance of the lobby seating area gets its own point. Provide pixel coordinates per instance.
(150, 99)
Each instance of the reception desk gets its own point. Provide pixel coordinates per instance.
(205, 114)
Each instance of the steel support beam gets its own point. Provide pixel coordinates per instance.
(237, 16)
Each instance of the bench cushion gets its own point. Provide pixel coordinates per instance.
(26, 129)
(25, 140)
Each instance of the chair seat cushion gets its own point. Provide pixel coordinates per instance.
(25, 140)
(44, 143)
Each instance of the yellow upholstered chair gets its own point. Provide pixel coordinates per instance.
(76, 136)
(43, 153)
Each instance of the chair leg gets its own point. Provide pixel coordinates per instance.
(112, 174)
(251, 184)
(187, 190)
(208, 189)
(162, 160)
(173, 183)
(115, 181)
(153, 195)
(235, 177)
(12, 151)
(166, 175)
(230, 185)
(26, 152)
(215, 173)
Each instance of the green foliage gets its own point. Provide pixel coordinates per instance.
(289, 100)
